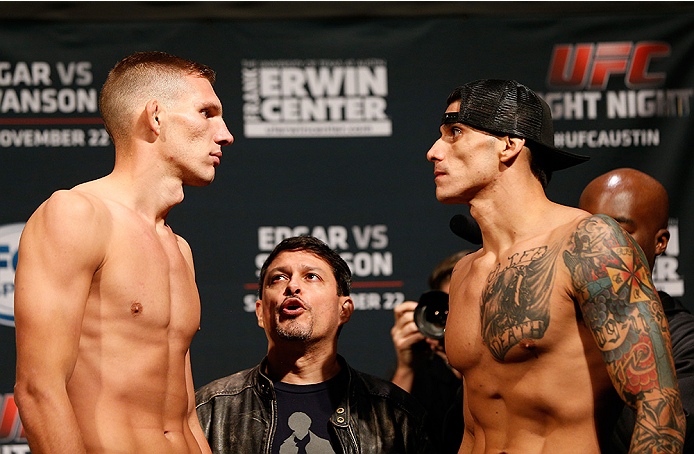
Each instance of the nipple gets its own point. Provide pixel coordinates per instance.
(528, 344)
(136, 309)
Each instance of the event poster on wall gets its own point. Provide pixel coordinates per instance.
(332, 120)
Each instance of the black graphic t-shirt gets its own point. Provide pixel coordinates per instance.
(303, 415)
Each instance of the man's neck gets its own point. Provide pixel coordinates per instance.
(509, 213)
(142, 188)
(305, 368)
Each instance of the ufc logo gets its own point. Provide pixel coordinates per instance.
(11, 428)
(591, 65)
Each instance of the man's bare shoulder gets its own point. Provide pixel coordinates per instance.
(583, 217)
(599, 239)
(66, 207)
(68, 219)
(564, 221)
(72, 201)
(185, 249)
(600, 233)
(463, 265)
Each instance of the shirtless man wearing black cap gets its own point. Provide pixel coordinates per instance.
(555, 318)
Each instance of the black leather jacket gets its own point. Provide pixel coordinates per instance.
(238, 414)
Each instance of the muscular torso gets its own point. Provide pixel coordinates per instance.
(535, 381)
(128, 387)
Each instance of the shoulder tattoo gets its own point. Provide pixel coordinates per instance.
(613, 287)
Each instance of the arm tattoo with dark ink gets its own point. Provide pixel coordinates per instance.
(613, 287)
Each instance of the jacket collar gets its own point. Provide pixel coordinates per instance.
(341, 416)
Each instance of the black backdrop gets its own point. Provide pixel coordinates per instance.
(355, 173)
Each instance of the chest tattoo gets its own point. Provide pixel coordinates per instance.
(515, 302)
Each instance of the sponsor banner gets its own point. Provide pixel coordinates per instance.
(9, 245)
(315, 98)
(332, 121)
(318, 129)
(76, 136)
(50, 104)
(38, 87)
(12, 435)
(665, 270)
(582, 74)
(363, 248)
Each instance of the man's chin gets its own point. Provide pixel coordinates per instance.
(448, 199)
(294, 332)
(200, 183)
(294, 336)
(200, 180)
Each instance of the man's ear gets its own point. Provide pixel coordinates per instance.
(661, 240)
(259, 312)
(512, 148)
(346, 309)
(153, 116)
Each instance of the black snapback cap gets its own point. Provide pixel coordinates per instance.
(508, 108)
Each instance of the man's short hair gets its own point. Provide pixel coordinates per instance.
(138, 78)
(311, 244)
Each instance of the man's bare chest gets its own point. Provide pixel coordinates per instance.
(515, 300)
(506, 307)
(145, 280)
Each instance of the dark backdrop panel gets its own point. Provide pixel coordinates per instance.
(371, 195)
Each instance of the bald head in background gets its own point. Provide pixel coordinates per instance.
(638, 202)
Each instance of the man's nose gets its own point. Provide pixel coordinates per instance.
(224, 137)
(433, 153)
(293, 287)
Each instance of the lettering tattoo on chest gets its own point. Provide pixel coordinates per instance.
(515, 302)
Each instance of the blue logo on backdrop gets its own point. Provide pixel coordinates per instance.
(9, 244)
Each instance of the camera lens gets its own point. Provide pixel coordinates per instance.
(431, 313)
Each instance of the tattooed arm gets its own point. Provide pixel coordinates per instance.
(613, 287)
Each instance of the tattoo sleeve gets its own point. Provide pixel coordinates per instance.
(619, 303)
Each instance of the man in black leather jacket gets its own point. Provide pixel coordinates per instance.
(303, 397)
(640, 204)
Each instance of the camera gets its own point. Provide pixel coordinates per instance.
(431, 313)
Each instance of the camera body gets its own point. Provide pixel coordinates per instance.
(431, 313)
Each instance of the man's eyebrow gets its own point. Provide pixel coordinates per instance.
(276, 269)
(284, 269)
(211, 105)
(448, 126)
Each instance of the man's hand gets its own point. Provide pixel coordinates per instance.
(405, 335)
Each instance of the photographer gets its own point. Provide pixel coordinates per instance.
(423, 368)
